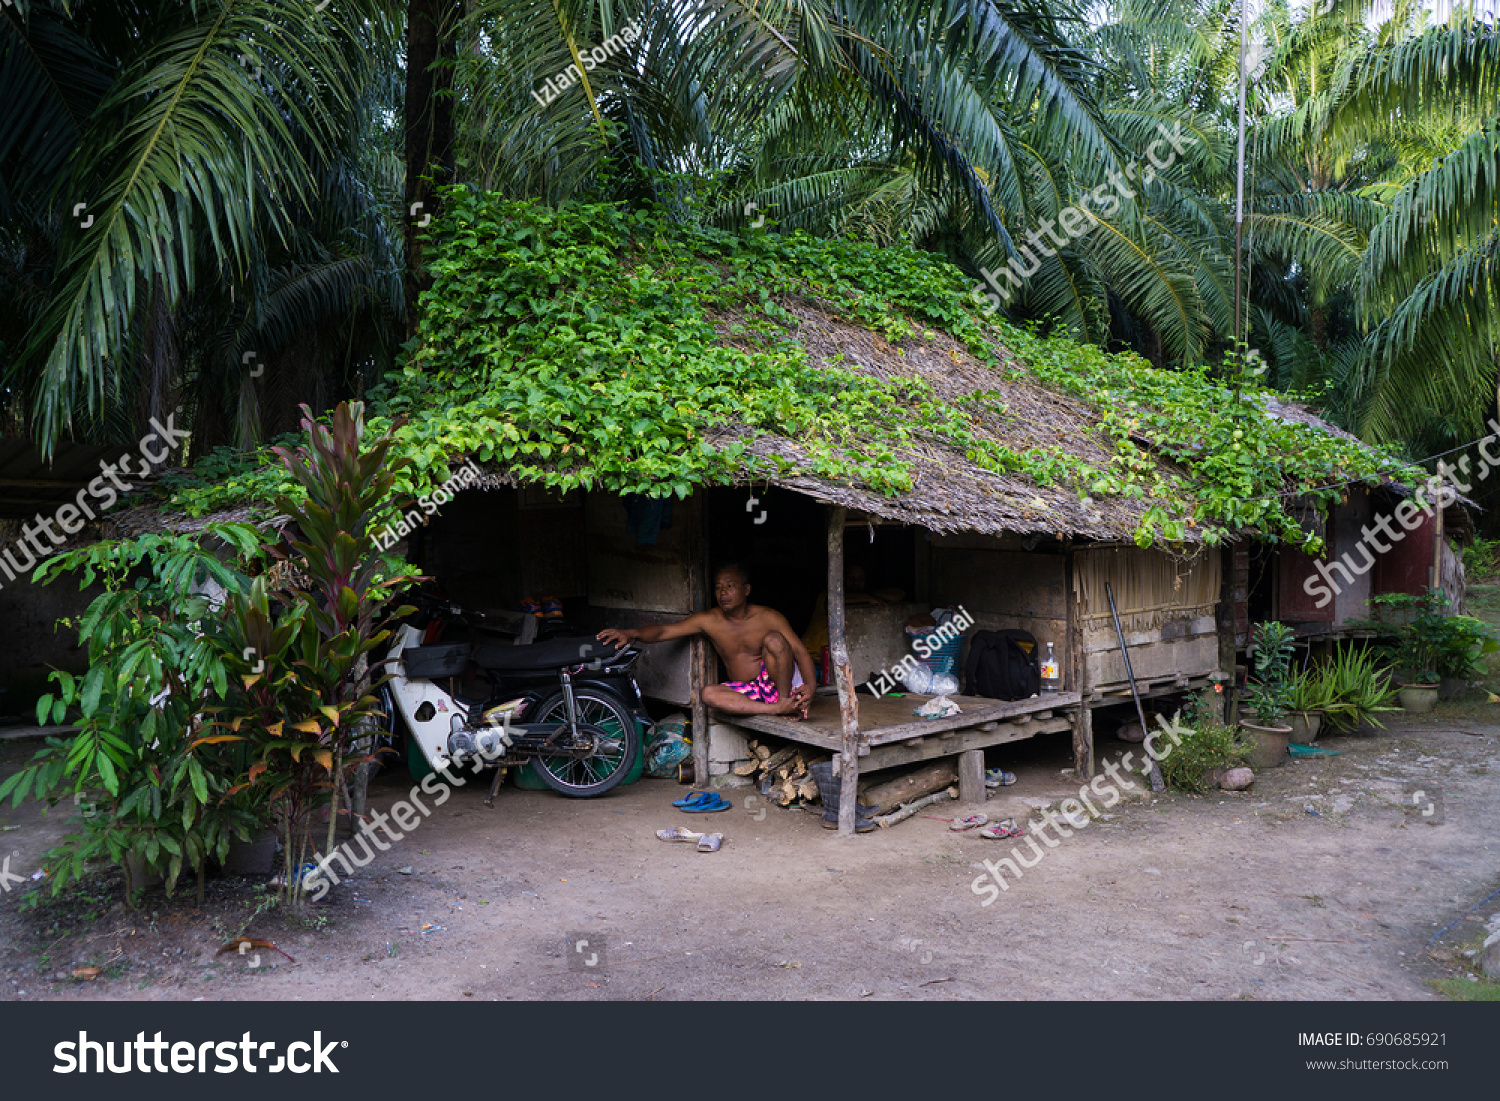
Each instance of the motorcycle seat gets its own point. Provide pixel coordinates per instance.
(556, 653)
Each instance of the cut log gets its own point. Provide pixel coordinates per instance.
(746, 768)
(885, 821)
(760, 751)
(886, 797)
(776, 760)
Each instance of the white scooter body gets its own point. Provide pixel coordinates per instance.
(432, 735)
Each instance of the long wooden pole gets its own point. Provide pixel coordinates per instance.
(1154, 773)
(843, 676)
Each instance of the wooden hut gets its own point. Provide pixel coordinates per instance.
(1009, 551)
(827, 399)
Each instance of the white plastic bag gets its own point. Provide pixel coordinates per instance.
(924, 682)
(939, 707)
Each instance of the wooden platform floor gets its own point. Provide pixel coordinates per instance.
(886, 719)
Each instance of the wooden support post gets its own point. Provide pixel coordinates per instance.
(971, 776)
(1224, 620)
(1437, 535)
(1083, 742)
(1071, 641)
(1083, 718)
(700, 658)
(843, 676)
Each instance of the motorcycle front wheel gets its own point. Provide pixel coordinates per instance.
(613, 756)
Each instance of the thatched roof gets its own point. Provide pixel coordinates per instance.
(951, 493)
(602, 348)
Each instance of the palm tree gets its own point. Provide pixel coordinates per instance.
(1372, 187)
(810, 106)
(1429, 282)
(188, 190)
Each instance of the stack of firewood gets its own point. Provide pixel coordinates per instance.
(783, 775)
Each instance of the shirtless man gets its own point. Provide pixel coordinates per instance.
(772, 670)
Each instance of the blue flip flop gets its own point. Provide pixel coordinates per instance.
(714, 802)
(692, 798)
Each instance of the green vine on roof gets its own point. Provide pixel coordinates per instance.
(598, 347)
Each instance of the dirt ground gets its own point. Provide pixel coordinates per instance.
(1177, 896)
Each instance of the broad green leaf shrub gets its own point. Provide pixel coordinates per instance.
(155, 656)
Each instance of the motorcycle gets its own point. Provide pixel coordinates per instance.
(567, 705)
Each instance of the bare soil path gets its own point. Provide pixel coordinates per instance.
(1323, 882)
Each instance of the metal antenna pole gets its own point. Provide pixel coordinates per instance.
(1239, 205)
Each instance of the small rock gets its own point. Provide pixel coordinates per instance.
(1237, 779)
(1491, 964)
(1131, 732)
(404, 871)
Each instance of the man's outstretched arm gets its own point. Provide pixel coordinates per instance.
(620, 636)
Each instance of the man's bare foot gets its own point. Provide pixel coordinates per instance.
(793, 708)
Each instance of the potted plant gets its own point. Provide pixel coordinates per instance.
(1312, 691)
(1270, 696)
(1464, 642)
(1420, 635)
(1357, 692)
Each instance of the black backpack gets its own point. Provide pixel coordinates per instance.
(1003, 665)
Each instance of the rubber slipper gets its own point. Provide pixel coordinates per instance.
(710, 842)
(714, 802)
(681, 833)
(998, 778)
(1002, 829)
(692, 797)
(970, 822)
